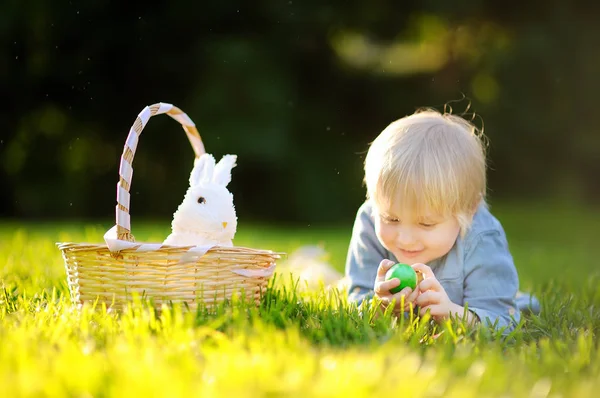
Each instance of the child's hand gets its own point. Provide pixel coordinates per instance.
(432, 296)
(382, 290)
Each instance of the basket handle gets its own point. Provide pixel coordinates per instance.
(123, 224)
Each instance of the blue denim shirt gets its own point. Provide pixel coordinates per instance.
(478, 271)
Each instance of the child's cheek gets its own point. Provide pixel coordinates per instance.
(384, 234)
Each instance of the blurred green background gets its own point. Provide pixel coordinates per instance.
(297, 89)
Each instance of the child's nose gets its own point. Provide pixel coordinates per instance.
(405, 236)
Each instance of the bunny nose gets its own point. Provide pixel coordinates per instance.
(224, 224)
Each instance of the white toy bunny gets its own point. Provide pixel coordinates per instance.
(207, 215)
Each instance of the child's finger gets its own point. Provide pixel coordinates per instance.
(403, 297)
(430, 284)
(424, 310)
(384, 266)
(424, 269)
(404, 292)
(397, 297)
(434, 310)
(385, 286)
(413, 296)
(430, 297)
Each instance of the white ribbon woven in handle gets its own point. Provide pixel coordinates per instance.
(119, 237)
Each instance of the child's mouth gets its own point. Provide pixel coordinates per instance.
(410, 253)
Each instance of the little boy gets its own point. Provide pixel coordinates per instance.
(426, 186)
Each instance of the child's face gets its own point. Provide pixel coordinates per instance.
(416, 238)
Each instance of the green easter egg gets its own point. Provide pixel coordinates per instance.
(406, 274)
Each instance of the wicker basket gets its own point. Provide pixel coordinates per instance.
(118, 270)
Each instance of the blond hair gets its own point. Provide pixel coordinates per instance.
(429, 161)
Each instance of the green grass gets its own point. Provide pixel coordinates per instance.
(300, 344)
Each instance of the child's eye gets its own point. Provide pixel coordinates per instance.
(427, 225)
(391, 220)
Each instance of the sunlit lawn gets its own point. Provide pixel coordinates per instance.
(312, 344)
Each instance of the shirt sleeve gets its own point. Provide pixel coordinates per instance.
(491, 281)
(364, 255)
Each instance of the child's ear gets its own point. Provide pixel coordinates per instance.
(476, 203)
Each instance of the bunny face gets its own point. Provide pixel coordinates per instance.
(207, 209)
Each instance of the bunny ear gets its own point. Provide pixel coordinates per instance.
(223, 170)
(203, 169)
